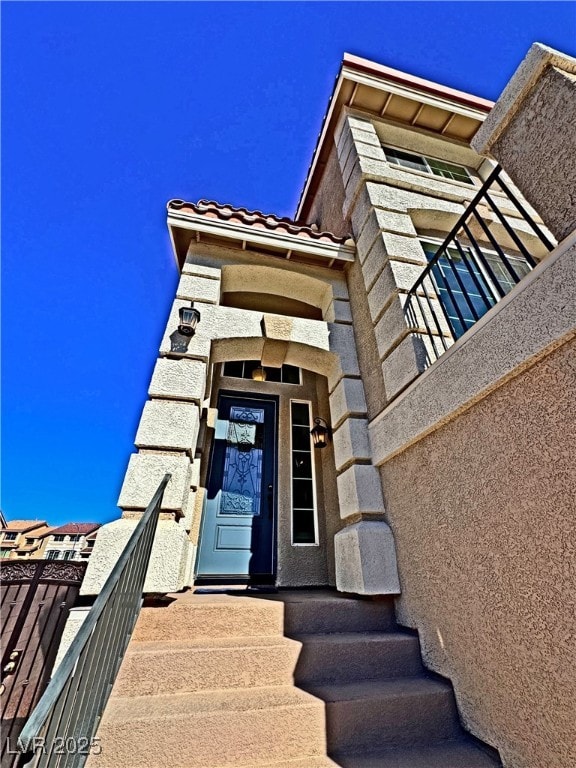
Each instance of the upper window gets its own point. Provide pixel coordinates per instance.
(52, 554)
(59, 537)
(469, 281)
(10, 536)
(427, 165)
(243, 369)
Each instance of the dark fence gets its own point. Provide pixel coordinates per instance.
(36, 597)
(471, 271)
(61, 729)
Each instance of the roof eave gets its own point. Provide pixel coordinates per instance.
(255, 237)
(358, 64)
(357, 70)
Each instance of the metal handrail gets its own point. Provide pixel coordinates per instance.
(60, 730)
(443, 329)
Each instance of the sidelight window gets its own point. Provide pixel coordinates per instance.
(304, 518)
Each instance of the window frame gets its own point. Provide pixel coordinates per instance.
(487, 252)
(316, 542)
(429, 171)
(244, 377)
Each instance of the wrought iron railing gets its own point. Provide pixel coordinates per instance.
(60, 731)
(36, 597)
(465, 277)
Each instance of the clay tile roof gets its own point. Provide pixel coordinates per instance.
(24, 525)
(266, 221)
(75, 529)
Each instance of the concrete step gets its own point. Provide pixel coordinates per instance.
(319, 761)
(325, 612)
(152, 668)
(218, 728)
(372, 715)
(351, 656)
(156, 667)
(458, 754)
(190, 616)
(454, 754)
(209, 680)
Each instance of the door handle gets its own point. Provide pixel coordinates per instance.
(271, 501)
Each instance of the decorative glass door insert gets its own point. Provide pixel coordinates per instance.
(242, 478)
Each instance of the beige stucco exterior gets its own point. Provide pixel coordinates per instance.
(482, 511)
(177, 425)
(449, 480)
(475, 453)
(532, 127)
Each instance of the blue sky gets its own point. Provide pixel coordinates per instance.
(111, 109)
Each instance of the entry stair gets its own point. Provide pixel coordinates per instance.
(297, 679)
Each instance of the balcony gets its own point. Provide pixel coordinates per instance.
(493, 246)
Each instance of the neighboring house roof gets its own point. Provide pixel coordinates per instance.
(228, 213)
(21, 526)
(74, 529)
(39, 533)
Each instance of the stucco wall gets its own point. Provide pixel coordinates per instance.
(543, 163)
(483, 516)
(530, 132)
(326, 210)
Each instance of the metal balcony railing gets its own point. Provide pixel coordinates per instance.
(60, 731)
(465, 277)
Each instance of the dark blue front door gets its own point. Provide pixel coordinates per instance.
(237, 537)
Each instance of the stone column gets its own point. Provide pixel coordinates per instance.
(389, 252)
(364, 549)
(167, 442)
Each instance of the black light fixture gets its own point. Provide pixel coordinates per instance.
(320, 432)
(259, 373)
(189, 319)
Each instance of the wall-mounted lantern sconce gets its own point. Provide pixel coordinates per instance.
(189, 319)
(259, 374)
(321, 433)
